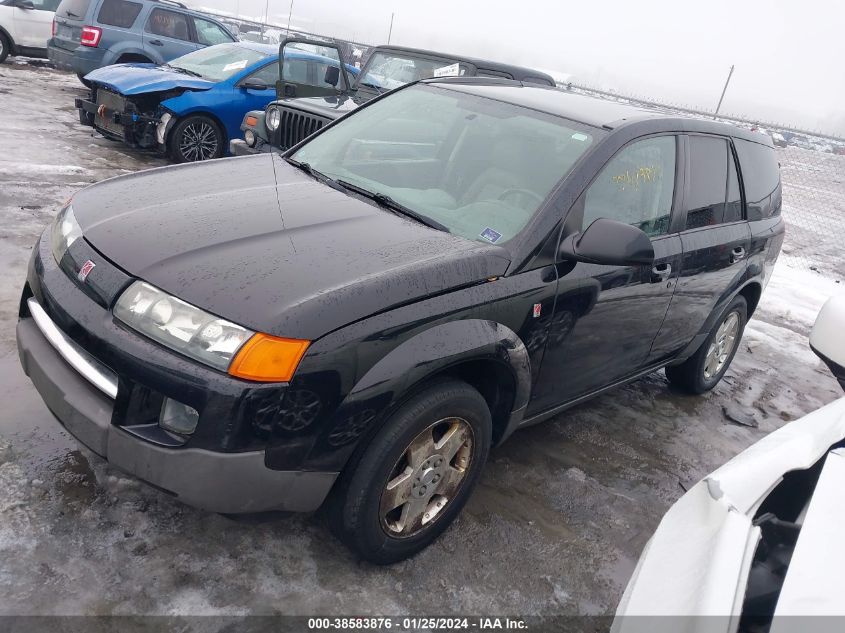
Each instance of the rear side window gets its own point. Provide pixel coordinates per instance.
(761, 178)
(168, 24)
(209, 33)
(73, 9)
(705, 202)
(121, 13)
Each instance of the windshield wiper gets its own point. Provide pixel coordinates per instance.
(71, 14)
(388, 202)
(179, 69)
(378, 89)
(316, 174)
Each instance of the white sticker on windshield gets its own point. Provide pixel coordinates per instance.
(452, 70)
(235, 66)
(579, 137)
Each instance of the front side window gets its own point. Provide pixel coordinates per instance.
(636, 187)
(209, 33)
(482, 168)
(120, 13)
(267, 75)
(389, 70)
(168, 24)
(218, 63)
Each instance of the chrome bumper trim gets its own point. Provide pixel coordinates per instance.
(89, 367)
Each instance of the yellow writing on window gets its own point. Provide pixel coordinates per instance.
(631, 179)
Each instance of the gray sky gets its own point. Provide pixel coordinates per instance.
(788, 55)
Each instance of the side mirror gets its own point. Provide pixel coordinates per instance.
(332, 75)
(254, 85)
(608, 242)
(826, 338)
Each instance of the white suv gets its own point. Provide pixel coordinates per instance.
(25, 27)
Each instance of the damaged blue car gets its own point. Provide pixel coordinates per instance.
(190, 107)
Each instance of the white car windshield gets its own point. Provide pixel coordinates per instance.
(388, 70)
(217, 63)
(479, 167)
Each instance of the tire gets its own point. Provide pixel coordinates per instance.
(702, 371)
(5, 47)
(196, 138)
(437, 478)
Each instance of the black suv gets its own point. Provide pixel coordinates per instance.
(364, 317)
(303, 106)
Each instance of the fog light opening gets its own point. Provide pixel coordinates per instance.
(249, 137)
(177, 417)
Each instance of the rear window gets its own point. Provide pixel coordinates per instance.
(761, 178)
(120, 13)
(73, 9)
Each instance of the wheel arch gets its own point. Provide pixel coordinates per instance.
(486, 355)
(751, 292)
(13, 48)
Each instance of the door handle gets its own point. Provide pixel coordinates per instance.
(156, 42)
(737, 254)
(659, 272)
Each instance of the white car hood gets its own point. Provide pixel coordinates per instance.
(698, 559)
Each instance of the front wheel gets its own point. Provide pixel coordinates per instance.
(703, 370)
(196, 138)
(415, 475)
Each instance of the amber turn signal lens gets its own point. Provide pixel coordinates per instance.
(251, 120)
(268, 358)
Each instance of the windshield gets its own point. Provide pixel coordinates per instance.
(479, 167)
(219, 62)
(391, 70)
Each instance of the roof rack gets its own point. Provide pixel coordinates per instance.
(181, 5)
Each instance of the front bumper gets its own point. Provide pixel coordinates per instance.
(221, 468)
(238, 147)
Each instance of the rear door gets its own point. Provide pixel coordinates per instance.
(168, 34)
(33, 27)
(70, 17)
(716, 241)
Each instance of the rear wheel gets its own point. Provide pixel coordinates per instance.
(415, 476)
(196, 138)
(703, 370)
(5, 46)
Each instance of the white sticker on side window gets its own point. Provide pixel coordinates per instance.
(452, 70)
(235, 66)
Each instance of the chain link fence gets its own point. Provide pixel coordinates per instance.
(813, 175)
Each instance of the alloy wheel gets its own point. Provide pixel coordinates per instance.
(427, 477)
(199, 141)
(722, 346)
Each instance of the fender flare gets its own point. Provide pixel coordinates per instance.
(402, 371)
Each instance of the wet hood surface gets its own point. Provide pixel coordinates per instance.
(260, 243)
(133, 79)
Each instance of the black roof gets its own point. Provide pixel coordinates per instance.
(519, 73)
(589, 110)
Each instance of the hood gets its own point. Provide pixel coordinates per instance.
(132, 79)
(256, 241)
(328, 107)
(698, 560)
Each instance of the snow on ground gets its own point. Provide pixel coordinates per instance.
(555, 527)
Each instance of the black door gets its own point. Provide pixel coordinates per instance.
(716, 241)
(606, 317)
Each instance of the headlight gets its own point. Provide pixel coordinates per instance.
(65, 232)
(273, 118)
(180, 326)
(207, 338)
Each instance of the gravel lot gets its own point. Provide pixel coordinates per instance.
(556, 526)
